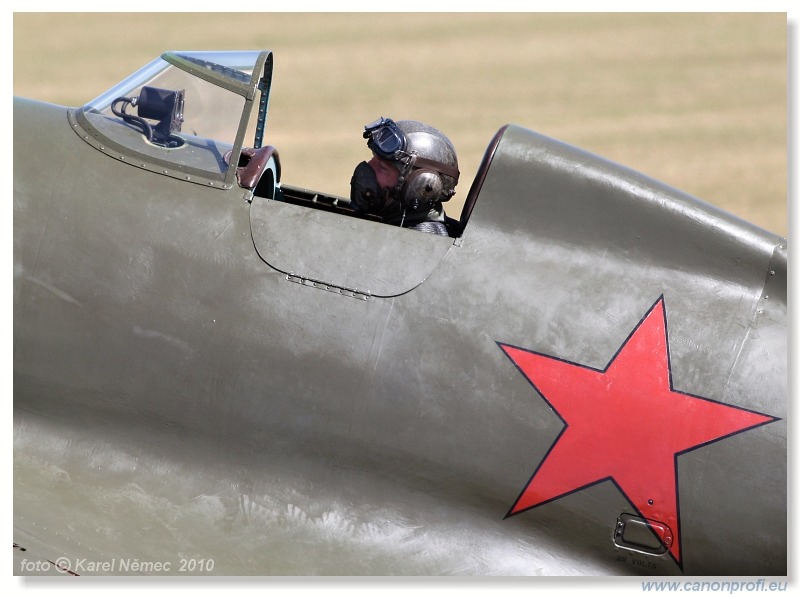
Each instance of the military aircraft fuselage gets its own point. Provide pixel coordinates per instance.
(230, 345)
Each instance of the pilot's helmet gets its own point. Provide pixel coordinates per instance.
(424, 156)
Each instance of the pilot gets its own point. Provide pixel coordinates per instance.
(413, 170)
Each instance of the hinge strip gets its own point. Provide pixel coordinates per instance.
(331, 288)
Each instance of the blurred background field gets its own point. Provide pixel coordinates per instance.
(697, 100)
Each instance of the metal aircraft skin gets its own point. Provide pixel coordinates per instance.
(216, 372)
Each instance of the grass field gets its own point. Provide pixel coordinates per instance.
(698, 101)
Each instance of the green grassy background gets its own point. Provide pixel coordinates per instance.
(696, 100)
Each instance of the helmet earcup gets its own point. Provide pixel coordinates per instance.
(422, 189)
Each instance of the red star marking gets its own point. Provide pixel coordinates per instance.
(624, 423)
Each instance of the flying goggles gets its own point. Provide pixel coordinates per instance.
(385, 138)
